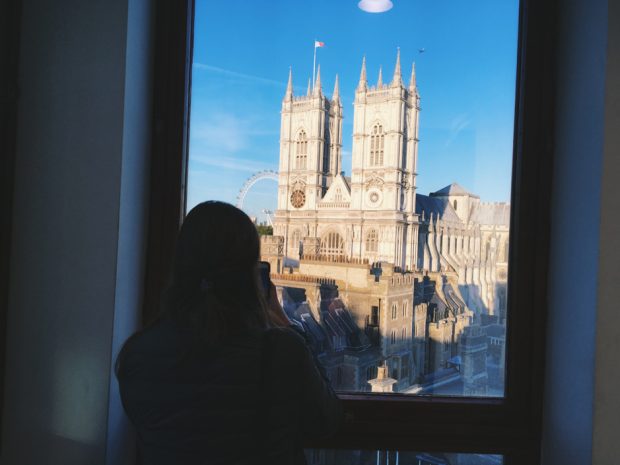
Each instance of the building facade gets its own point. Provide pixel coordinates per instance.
(383, 279)
(370, 215)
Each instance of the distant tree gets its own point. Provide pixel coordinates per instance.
(264, 230)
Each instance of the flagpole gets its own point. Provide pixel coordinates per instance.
(313, 64)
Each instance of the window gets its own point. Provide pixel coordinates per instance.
(301, 151)
(332, 245)
(376, 145)
(403, 334)
(435, 259)
(372, 241)
(374, 315)
(405, 309)
(394, 311)
(296, 243)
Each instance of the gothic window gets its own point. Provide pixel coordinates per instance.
(394, 311)
(301, 150)
(372, 241)
(405, 308)
(403, 334)
(376, 145)
(332, 245)
(393, 337)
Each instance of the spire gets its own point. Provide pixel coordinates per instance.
(363, 81)
(309, 91)
(397, 80)
(289, 86)
(380, 79)
(412, 82)
(336, 94)
(317, 83)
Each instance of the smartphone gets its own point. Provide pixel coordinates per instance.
(264, 268)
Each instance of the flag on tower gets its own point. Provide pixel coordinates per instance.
(318, 44)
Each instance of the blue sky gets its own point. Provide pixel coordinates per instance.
(466, 78)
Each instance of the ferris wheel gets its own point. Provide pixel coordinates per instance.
(247, 185)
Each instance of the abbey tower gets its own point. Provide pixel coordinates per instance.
(370, 216)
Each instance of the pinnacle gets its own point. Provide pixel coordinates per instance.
(336, 94)
(380, 79)
(397, 80)
(363, 81)
(289, 86)
(317, 83)
(412, 80)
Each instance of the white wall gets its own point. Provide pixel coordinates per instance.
(582, 392)
(78, 228)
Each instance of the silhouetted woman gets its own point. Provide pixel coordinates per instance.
(220, 378)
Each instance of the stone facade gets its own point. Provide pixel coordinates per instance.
(381, 277)
(370, 215)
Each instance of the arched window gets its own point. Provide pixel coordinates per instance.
(393, 337)
(376, 145)
(454, 204)
(372, 241)
(332, 245)
(405, 309)
(394, 311)
(301, 150)
(403, 334)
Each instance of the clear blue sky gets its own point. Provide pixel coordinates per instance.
(466, 78)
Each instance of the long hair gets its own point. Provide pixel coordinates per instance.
(214, 288)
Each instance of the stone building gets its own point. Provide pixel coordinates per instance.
(370, 215)
(378, 274)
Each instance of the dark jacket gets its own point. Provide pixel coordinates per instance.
(249, 401)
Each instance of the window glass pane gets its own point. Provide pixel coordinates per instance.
(383, 457)
(393, 184)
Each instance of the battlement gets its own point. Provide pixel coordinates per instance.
(335, 259)
(402, 280)
(303, 278)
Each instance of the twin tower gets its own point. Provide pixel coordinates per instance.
(370, 215)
